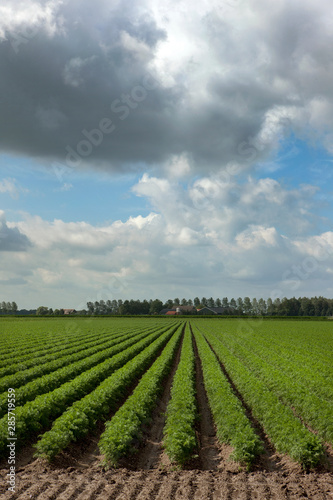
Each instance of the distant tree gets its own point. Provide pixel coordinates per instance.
(211, 302)
(262, 306)
(255, 307)
(233, 304)
(190, 302)
(225, 302)
(14, 307)
(124, 307)
(196, 302)
(240, 305)
(9, 307)
(307, 308)
(247, 305)
(90, 307)
(218, 302)
(102, 307)
(277, 306)
(42, 311)
(176, 301)
(270, 307)
(145, 307)
(156, 306)
(204, 302)
(114, 305)
(183, 302)
(168, 304)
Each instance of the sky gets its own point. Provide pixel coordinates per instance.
(162, 149)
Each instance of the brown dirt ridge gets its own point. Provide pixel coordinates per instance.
(37, 481)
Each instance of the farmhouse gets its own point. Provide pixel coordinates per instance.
(69, 311)
(177, 310)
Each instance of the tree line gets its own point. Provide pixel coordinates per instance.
(8, 307)
(302, 306)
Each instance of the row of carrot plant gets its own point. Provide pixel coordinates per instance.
(82, 416)
(179, 431)
(35, 415)
(285, 431)
(314, 411)
(126, 424)
(22, 377)
(53, 380)
(61, 353)
(232, 425)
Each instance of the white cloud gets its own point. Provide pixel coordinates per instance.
(9, 186)
(231, 248)
(25, 18)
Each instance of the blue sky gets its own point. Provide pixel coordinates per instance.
(152, 150)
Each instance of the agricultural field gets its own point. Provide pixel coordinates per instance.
(166, 408)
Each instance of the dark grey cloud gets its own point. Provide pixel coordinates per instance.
(11, 239)
(101, 65)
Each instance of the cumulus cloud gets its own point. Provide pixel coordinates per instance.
(11, 239)
(228, 81)
(241, 240)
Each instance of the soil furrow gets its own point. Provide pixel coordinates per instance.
(150, 455)
(209, 449)
(269, 459)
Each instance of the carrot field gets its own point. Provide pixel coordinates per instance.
(164, 394)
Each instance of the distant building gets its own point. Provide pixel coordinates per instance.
(69, 311)
(178, 310)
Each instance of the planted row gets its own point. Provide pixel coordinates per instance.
(179, 431)
(58, 377)
(126, 424)
(22, 377)
(38, 414)
(82, 416)
(315, 411)
(286, 432)
(232, 425)
(59, 354)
